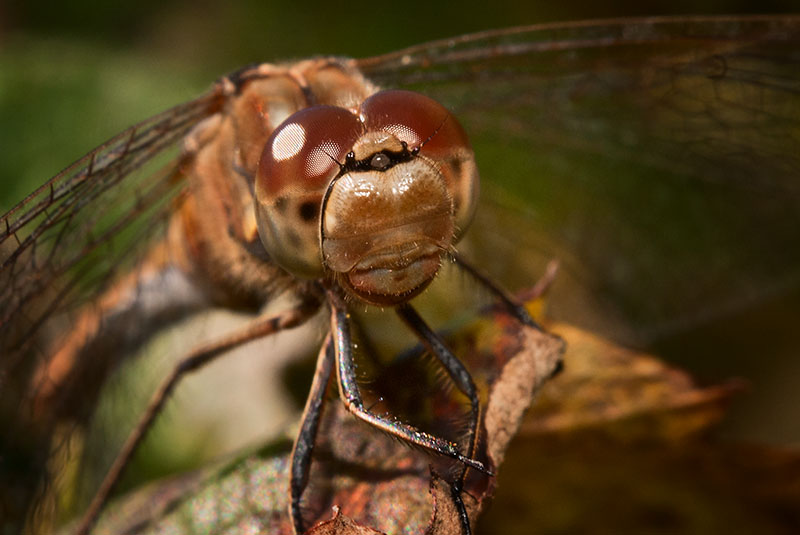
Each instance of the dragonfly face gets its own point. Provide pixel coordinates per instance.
(656, 159)
(372, 195)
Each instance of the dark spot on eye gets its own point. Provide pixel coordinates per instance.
(280, 204)
(457, 166)
(380, 161)
(308, 211)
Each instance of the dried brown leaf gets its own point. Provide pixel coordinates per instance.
(618, 443)
(624, 391)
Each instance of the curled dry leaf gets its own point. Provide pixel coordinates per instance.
(618, 443)
(626, 392)
(369, 480)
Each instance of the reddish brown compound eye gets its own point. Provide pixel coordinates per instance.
(414, 118)
(298, 162)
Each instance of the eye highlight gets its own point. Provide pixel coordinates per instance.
(304, 150)
(288, 142)
(299, 160)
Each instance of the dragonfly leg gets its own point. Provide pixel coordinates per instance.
(514, 308)
(351, 395)
(304, 443)
(508, 302)
(154, 294)
(463, 381)
(195, 360)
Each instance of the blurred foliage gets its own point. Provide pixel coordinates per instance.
(252, 30)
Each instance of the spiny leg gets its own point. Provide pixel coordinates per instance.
(304, 443)
(514, 308)
(196, 359)
(351, 396)
(463, 381)
(509, 303)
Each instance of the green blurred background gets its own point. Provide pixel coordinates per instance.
(74, 73)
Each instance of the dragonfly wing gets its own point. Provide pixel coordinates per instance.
(657, 158)
(64, 241)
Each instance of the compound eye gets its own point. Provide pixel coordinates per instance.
(416, 119)
(298, 162)
(303, 151)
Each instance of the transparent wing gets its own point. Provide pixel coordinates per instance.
(61, 243)
(60, 248)
(657, 158)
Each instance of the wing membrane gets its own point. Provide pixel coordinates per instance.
(656, 157)
(62, 242)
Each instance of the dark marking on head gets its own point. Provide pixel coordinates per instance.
(458, 168)
(281, 203)
(378, 161)
(308, 211)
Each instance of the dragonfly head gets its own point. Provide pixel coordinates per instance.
(372, 198)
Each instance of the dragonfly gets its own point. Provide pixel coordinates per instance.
(655, 157)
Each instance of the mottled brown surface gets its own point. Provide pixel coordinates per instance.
(621, 442)
(618, 442)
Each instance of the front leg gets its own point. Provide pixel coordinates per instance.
(351, 395)
(304, 443)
